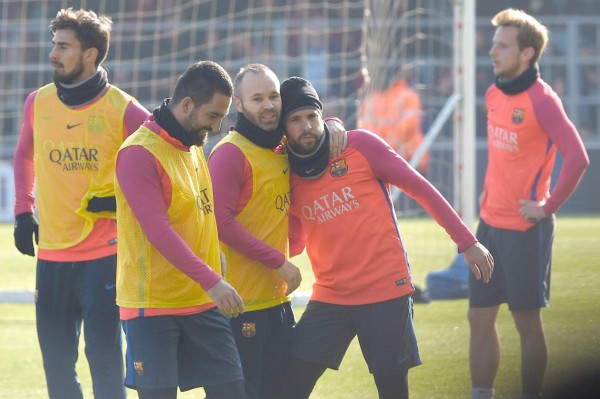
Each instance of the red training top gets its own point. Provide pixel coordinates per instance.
(524, 131)
(347, 220)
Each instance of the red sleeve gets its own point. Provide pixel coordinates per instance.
(23, 161)
(390, 167)
(555, 122)
(139, 175)
(229, 172)
(135, 115)
(296, 235)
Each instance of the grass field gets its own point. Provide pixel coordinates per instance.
(572, 324)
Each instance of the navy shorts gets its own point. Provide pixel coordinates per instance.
(522, 263)
(186, 351)
(263, 339)
(385, 333)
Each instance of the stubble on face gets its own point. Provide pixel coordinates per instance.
(304, 131)
(68, 77)
(260, 100)
(267, 120)
(197, 133)
(66, 57)
(306, 143)
(205, 118)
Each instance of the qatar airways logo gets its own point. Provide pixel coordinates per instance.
(330, 206)
(281, 199)
(282, 202)
(503, 139)
(203, 202)
(73, 159)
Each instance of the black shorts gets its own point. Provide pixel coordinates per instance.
(263, 338)
(385, 332)
(185, 351)
(522, 264)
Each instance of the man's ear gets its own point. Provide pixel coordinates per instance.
(238, 104)
(90, 55)
(187, 105)
(527, 54)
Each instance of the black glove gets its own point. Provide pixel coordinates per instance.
(100, 204)
(26, 225)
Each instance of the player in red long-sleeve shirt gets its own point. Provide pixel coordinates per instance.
(526, 125)
(342, 209)
(64, 167)
(170, 291)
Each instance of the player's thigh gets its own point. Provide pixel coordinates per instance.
(279, 335)
(152, 345)
(251, 332)
(528, 259)
(492, 293)
(95, 287)
(207, 352)
(323, 334)
(55, 298)
(387, 336)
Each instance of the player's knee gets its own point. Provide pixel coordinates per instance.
(482, 319)
(529, 322)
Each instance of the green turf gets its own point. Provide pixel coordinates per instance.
(572, 323)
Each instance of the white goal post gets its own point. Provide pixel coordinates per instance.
(464, 117)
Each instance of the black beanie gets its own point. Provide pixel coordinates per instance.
(298, 93)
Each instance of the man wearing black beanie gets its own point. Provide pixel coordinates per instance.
(299, 94)
(342, 212)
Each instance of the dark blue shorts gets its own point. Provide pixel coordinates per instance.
(522, 263)
(263, 339)
(384, 329)
(185, 351)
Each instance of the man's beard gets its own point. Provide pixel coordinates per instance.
(305, 149)
(69, 78)
(197, 135)
(255, 120)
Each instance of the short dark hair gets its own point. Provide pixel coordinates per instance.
(91, 30)
(201, 81)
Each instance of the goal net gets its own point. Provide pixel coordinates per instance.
(351, 50)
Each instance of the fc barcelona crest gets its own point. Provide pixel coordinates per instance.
(95, 124)
(338, 168)
(518, 114)
(248, 330)
(139, 368)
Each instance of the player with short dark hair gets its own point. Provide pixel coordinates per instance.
(169, 284)
(64, 168)
(342, 210)
(526, 126)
